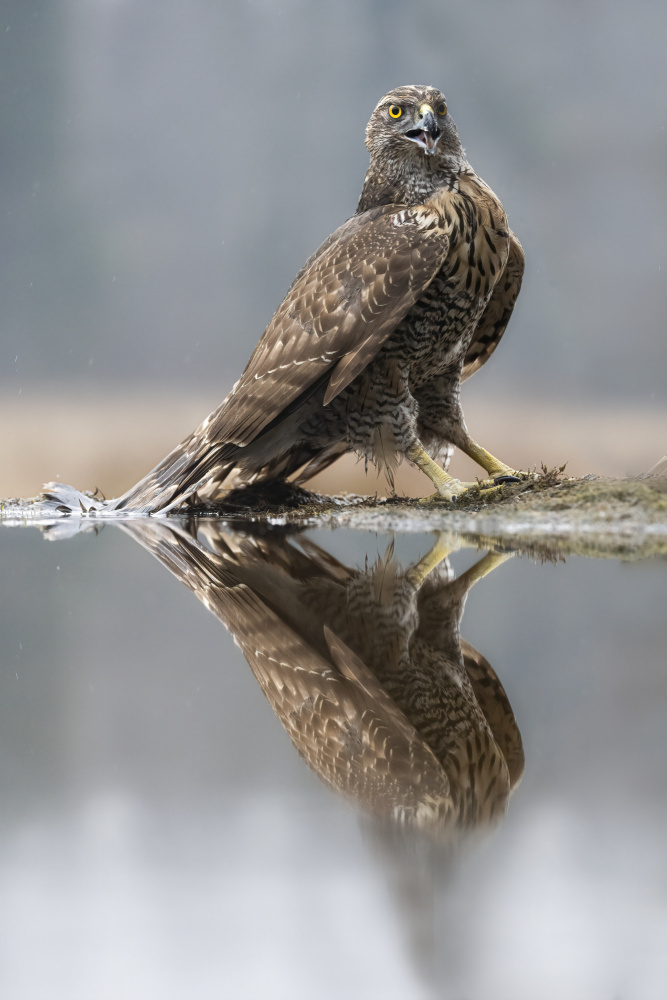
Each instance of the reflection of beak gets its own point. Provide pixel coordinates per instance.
(426, 134)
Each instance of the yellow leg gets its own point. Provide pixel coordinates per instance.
(447, 543)
(489, 463)
(444, 546)
(446, 486)
(486, 565)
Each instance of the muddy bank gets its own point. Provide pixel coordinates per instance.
(549, 516)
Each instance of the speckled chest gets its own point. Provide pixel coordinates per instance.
(435, 335)
(424, 674)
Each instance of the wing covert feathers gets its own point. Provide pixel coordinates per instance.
(336, 315)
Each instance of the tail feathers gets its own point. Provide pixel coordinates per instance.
(185, 470)
(63, 499)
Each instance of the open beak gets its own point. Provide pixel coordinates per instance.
(426, 133)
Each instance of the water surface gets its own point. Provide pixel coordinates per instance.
(161, 835)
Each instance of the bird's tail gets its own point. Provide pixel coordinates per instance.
(185, 470)
(179, 475)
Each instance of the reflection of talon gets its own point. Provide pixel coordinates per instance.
(443, 547)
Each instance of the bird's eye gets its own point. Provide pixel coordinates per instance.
(442, 108)
(395, 111)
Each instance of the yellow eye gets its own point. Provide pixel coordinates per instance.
(442, 109)
(395, 111)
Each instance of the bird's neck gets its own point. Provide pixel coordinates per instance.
(406, 182)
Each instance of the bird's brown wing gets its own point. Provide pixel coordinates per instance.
(342, 305)
(496, 316)
(497, 710)
(336, 315)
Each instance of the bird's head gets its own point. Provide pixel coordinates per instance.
(412, 122)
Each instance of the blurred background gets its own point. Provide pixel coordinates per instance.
(167, 167)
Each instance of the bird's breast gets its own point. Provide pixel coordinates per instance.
(437, 332)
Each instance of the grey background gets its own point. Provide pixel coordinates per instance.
(166, 167)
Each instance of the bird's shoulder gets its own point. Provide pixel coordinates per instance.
(472, 188)
(372, 262)
(381, 227)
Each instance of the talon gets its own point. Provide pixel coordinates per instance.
(492, 491)
(437, 498)
(449, 489)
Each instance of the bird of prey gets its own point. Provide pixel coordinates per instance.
(365, 669)
(367, 351)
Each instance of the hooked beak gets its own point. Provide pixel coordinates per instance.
(426, 134)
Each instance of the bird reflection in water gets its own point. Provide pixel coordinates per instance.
(365, 668)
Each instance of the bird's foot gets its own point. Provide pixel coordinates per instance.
(448, 492)
(448, 489)
(482, 490)
(433, 499)
(485, 490)
(485, 493)
(505, 478)
(513, 476)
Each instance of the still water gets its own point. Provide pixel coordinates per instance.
(381, 767)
